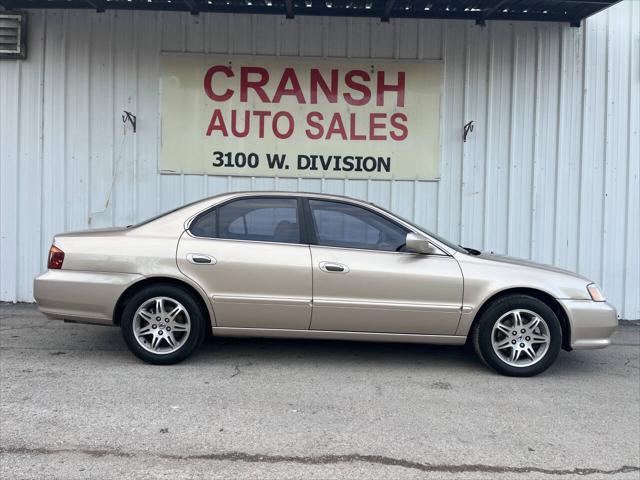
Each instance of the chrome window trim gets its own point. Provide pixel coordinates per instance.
(225, 198)
(443, 254)
(415, 254)
(245, 241)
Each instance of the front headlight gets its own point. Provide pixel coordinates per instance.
(595, 293)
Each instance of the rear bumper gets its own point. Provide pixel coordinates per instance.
(80, 296)
(592, 323)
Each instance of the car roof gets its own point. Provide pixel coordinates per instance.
(276, 193)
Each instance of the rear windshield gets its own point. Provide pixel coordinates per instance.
(156, 217)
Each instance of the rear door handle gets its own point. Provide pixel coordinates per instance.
(333, 267)
(201, 259)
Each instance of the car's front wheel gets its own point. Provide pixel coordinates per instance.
(518, 336)
(163, 324)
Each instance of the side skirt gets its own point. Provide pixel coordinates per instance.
(337, 335)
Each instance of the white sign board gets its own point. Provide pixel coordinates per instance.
(300, 117)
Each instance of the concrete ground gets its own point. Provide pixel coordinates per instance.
(76, 404)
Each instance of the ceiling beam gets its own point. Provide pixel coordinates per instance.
(192, 5)
(282, 9)
(386, 13)
(489, 11)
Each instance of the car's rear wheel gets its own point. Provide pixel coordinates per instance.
(163, 324)
(518, 336)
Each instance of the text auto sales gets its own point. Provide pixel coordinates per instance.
(356, 88)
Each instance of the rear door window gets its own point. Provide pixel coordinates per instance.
(254, 219)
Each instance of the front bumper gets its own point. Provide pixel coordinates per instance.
(592, 323)
(80, 296)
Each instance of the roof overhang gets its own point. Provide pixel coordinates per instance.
(571, 11)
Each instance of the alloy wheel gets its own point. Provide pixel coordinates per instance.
(520, 338)
(161, 325)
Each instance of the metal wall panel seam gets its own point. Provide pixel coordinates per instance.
(634, 159)
(629, 111)
(536, 105)
(43, 46)
(557, 146)
(514, 73)
(604, 144)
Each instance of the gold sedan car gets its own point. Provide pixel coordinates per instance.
(306, 265)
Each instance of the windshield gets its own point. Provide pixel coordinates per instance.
(444, 241)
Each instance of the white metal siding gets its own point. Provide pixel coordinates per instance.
(551, 171)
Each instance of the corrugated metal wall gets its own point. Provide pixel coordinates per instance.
(551, 171)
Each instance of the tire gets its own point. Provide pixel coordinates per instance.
(169, 321)
(517, 347)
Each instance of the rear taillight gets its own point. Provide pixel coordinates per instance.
(56, 257)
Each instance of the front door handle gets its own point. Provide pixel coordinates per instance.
(331, 267)
(201, 259)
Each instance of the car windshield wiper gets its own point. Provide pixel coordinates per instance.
(471, 251)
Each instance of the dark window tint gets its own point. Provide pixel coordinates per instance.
(260, 219)
(205, 225)
(343, 225)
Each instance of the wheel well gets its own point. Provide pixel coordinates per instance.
(540, 295)
(147, 282)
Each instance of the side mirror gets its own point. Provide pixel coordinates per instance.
(418, 244)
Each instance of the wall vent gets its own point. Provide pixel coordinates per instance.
(13, 35)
